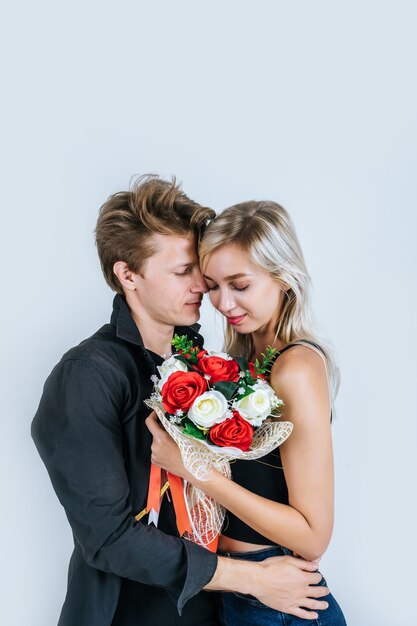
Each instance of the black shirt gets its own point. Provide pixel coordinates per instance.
(90, 432)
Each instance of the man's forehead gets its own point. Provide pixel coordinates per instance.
(178, 249)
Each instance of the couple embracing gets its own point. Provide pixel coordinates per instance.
(161, 252)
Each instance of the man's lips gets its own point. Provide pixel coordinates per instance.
(235, 320)
(196, 303)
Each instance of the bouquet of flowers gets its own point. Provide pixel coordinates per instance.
(217, 409)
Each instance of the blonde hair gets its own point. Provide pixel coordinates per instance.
(265, 232)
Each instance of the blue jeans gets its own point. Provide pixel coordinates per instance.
(243, 610)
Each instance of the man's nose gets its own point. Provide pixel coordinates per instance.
(199, 284)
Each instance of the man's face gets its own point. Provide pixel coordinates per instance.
(171, 287)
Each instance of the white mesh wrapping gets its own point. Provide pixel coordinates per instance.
(206, 515)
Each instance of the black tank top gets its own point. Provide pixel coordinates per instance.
(265, 477)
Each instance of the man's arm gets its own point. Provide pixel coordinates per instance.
(77, 431)
(280, 582)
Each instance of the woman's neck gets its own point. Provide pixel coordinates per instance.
(262, 341)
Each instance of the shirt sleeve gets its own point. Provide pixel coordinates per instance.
(77, 431)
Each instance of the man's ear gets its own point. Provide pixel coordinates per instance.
(124, 275)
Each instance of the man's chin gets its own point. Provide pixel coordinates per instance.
(188, 318)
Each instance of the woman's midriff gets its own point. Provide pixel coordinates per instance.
(227, 544)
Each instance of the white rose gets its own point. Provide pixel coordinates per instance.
(275, 401)
(221, 355)
(168, 367)
(257, 406)
(208, 409)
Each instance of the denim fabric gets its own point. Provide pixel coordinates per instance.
(244, 610)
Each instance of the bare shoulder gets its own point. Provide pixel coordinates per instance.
(299, 368)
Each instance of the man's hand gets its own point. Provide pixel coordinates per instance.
(282, 582)
(164, 451)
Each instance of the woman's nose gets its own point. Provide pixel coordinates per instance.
(226, 303)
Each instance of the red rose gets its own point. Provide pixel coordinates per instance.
(181, 389)
(252, 371)
(235, 432)
(196, 352)
(219, 369)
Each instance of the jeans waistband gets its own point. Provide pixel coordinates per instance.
(257, 555)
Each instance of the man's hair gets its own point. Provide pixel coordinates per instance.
(129, 218)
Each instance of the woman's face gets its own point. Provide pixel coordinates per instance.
(250, 298)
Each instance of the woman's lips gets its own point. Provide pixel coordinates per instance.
(235, 320)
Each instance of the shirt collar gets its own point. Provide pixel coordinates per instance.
(126, 328)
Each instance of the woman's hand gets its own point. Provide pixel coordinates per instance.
(165, 452)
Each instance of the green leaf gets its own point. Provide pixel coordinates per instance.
(249, 378)
(265, 366)
(187, 362)
(192, 430)
(182, 343)
(228, 389)
(248, 391)
(243, 363)
(186, 347)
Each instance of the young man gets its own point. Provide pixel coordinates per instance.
(91, 434)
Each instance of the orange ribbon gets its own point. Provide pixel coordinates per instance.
(181, 513)
(212, 546)
(155, 494)
(154, 497)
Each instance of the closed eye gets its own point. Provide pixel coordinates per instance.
(240, 288)
(187, 270)
(215, 287)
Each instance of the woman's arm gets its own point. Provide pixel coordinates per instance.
(305, 525)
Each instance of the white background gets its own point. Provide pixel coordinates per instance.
(311, 104)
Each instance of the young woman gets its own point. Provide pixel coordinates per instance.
(281, 504)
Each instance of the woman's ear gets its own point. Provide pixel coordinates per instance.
(283, 286)
(124, 275)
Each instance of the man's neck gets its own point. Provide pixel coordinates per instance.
(156, 337)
